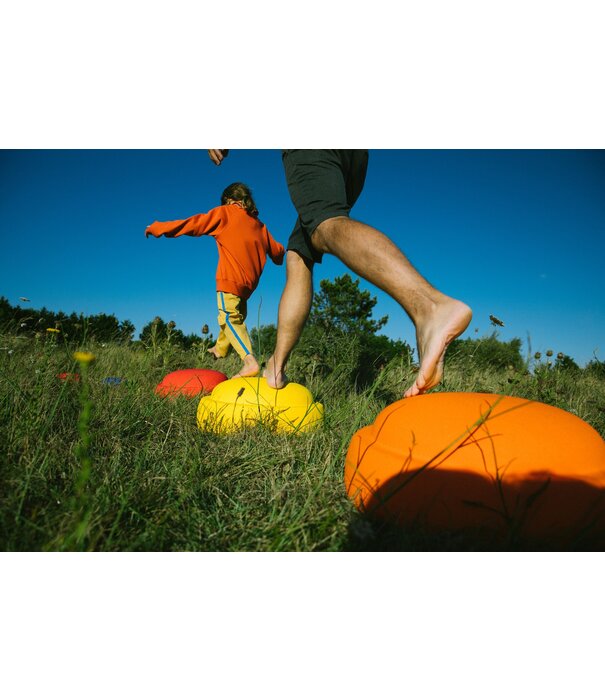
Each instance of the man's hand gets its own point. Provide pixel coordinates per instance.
(217, 155)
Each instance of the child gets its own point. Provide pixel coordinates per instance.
(243, 245)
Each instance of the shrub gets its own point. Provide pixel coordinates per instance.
(486, 353)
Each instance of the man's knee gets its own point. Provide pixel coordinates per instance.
(325, 232)
(297, 264)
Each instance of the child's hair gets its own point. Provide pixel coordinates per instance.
(240, 193)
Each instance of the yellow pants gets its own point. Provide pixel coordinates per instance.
(232, 311)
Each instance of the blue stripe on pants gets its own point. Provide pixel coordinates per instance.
(231, 328)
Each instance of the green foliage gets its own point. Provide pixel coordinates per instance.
(158, 332)
(342, 306)
(339, 338)
(263, 340)
(376, 352)
(77, 328)
(354, 358)
(596, 368)
(486, 353)
(341, 335)
(565, 363)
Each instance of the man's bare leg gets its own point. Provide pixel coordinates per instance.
(438, 318)
(294, 308)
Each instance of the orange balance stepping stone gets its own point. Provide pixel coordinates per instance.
(455, 461)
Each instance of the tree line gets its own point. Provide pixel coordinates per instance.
(30, 322)
(341, 328)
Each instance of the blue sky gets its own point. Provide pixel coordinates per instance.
(518, 234)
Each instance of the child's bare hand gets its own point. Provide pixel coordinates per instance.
(217, 155)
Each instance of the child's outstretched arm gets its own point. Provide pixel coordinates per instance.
(275, 250)
(198, 225)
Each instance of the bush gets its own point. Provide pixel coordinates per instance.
(596, 368)
(486, 353)
(354, 357)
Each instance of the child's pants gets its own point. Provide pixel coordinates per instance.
(232, 311)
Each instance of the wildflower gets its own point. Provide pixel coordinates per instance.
(549, 353)
(171, 325)
(84, 358)
(495, 321)
(69, 377)
(560, 356)
(538, 355)
(205, 329)
(53, 330)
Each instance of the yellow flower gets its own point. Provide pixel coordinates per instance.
(53, 330)
(84, 358)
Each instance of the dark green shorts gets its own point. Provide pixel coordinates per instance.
(322, 184)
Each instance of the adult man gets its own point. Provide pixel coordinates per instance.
(324, 185)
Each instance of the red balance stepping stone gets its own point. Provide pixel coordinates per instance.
(189, 382)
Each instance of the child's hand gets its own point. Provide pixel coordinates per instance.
(217, 155)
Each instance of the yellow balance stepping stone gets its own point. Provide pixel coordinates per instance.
(243, 401)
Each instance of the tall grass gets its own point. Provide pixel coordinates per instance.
(137, 474)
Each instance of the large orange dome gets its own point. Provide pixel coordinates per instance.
(451, 461)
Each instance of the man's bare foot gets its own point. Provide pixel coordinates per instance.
(275, 379)
(214, 353)
(250, 368)
(450, 319)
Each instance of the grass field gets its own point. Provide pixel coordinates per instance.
(149, 480)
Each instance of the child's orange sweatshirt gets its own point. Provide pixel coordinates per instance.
(243, 245)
